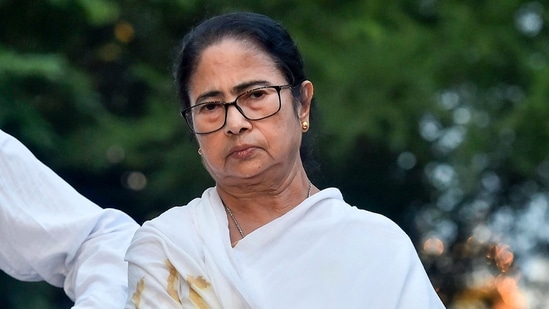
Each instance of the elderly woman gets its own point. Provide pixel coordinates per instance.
(264, 236)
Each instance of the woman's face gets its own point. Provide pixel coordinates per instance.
(244, 152)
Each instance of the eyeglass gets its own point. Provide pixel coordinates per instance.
(254, 104)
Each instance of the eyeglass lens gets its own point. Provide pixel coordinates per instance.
(255, 104)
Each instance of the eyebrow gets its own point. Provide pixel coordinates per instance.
(238, 89)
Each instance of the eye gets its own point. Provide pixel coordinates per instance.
(209, 107)
(257, 94)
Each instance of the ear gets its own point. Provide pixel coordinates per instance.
(307, 91)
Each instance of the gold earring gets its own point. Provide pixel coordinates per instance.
(200, 151)
(305, 126)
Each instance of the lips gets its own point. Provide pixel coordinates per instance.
(242, 151)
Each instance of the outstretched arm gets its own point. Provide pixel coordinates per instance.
(50, 232)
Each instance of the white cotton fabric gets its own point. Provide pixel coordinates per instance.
(49, 232)
(322, 254)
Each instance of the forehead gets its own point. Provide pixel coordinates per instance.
(230, 62)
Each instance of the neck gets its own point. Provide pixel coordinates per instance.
(248, 211)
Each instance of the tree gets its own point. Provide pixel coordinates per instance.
(432, 113)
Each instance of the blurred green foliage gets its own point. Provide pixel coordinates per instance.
(426, 107)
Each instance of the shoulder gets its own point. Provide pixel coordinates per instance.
(356, 220)
(176, 223)
(159, 236)
(375, 222)
(173, 233)
(4, 138)
(170, 222)
(11, 146)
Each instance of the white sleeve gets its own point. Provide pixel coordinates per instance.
(153, 280)
(48, 231)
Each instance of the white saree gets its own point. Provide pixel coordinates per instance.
(322, 254)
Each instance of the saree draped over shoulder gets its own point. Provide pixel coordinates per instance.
(324, 253)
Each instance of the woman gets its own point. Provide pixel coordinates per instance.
(264, 236)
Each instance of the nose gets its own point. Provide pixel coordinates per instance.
(236, 123)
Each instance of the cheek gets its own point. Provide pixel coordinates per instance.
(285, 134)
(210, 147)
(287, 116)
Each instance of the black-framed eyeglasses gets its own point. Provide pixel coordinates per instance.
(254, 104)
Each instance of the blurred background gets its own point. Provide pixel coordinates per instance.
(433, 113)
